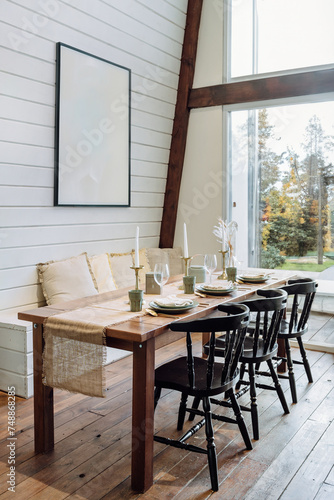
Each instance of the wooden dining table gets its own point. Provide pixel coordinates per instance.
(142, 336)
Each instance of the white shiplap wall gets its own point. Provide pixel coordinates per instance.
(143, 35)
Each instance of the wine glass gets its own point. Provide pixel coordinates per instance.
(161, 274)
(210, 263)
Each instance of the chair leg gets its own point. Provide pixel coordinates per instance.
(182, 411)
(211, 447)
(278, 386)
(305, 360)
(252, 390)
(157, 393)
(242, 373)
(240, 419)
(291, 374)
(195, 405)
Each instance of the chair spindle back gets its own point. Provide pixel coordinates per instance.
(303, 291)
(234, 324)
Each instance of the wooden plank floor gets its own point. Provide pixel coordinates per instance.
(292, 460)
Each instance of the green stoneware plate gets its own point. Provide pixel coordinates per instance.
(246, 279)
(172, 310)
(207, 291)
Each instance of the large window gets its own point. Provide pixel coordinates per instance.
(282, 170)
(276, 35)
(279, 153)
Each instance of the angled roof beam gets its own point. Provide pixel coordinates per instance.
(180, 126)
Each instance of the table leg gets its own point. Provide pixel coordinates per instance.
(43, 398)
(142, 415)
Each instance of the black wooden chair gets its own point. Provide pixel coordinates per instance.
(260, 346)
(204, 378)
(302, 292)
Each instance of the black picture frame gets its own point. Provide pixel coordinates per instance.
(92, 130)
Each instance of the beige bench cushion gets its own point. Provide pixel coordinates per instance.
(100, 265)
(67, 279)
(143, 261)
(170, 256)
(121, 270)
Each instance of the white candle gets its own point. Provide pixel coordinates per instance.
(137, 248)
(185, 241)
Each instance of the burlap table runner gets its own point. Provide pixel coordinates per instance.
(75, 343)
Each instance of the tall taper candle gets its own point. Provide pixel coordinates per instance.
(185, 241)
(137, 248)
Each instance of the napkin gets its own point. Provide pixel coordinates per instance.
(173, 301)
(227, 286)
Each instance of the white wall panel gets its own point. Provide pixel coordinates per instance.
(43, 216)
(149, 137)
(148, 169)
(26, 133)
(164, 9)
(145, 37)
(149, 18)
(148, 184)
(30, 256)
(26, 65)
(14, 196)
(159, 123)
(27, 90)
(143, 152)
(24, 175)
(54, 235)
(16, 153)
(179, 4)
(118, 19)
(26, 111)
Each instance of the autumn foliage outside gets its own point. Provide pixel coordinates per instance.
(296, 197)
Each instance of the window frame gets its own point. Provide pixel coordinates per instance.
(227, 23)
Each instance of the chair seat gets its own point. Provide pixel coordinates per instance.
(247, 354)
(174, 375)
(284, 331)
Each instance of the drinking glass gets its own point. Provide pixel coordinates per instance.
(161, 274)
(210, 263)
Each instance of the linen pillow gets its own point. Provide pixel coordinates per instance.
(102, 272)
(143, 261)
(66, 279)
(176, 265)
(123, 275)
(170, 256)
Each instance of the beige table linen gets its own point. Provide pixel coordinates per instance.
(75, 343)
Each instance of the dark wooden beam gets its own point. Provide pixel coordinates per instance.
(180, 126)
(276, 87)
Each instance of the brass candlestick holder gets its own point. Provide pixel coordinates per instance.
(223, 276)
(186, 264)
(137, 269)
